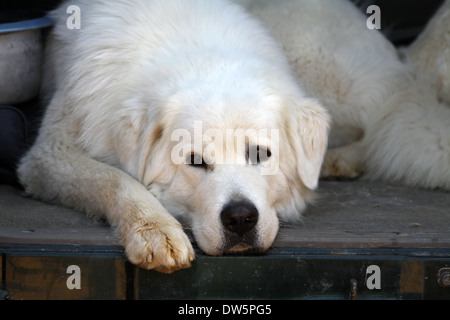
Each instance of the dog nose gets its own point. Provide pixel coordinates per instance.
(239, 217)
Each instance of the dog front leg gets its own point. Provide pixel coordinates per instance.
(152, 238)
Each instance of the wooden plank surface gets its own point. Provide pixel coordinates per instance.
(49, 277)
(104, 236)
(355, 214)
(366, 214)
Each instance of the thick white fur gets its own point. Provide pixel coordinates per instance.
(390, 118)
(134, 73)
(429, 55)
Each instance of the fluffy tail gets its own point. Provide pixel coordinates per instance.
(410, 140)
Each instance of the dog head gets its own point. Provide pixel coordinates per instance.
(229, 167)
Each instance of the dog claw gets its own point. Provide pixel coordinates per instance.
(161, 248)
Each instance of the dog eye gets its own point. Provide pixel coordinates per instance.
(263, 154)
(196, 160)
(258, 154)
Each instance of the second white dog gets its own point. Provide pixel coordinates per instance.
(390, 118)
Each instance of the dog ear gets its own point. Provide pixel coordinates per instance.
(308, 131)
(135, 135)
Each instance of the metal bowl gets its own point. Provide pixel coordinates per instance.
(21, 53)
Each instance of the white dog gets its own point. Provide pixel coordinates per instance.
(194, 102)
(390, 118)
(159, 106)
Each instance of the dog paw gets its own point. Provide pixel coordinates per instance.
(164, 248)
(341, 164)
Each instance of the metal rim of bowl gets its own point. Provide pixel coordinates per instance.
(29, 24)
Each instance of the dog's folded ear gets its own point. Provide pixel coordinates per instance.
(308, 131)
